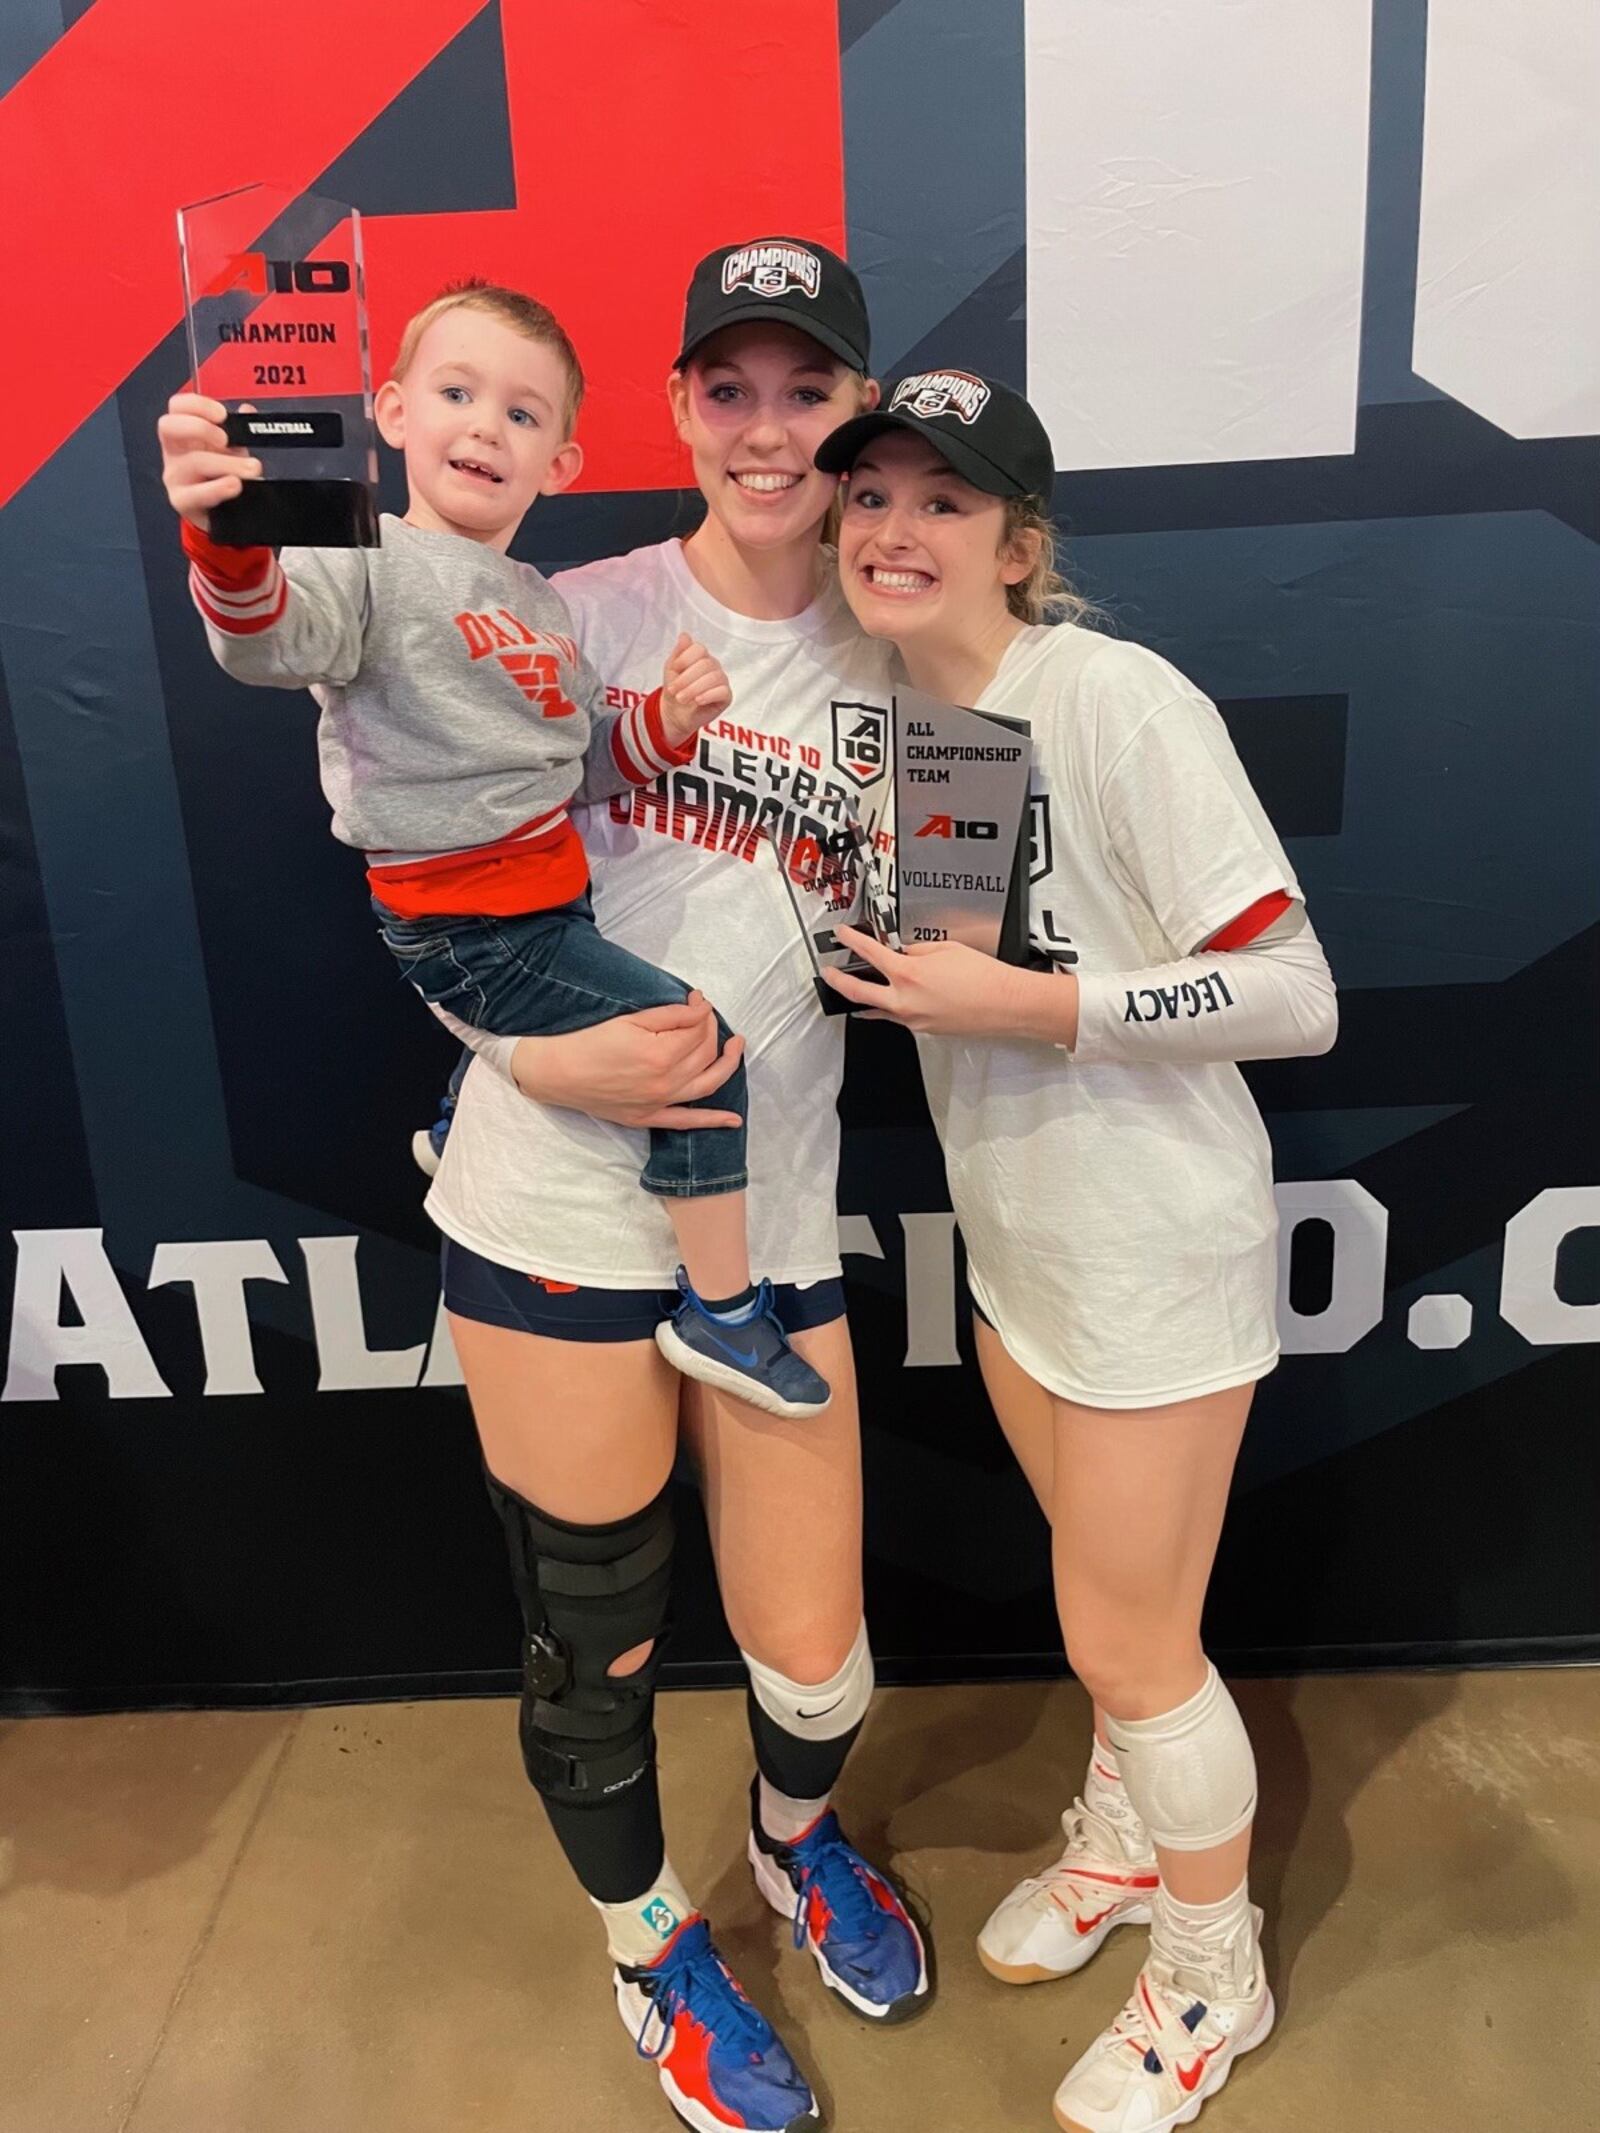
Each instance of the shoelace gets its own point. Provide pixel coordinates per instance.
(835, 1869)
(1064, 1869)
(766, 1306)
(690, 1976)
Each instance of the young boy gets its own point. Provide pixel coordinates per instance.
(458, 722)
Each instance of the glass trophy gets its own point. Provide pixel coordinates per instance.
(939, 852)
(275, 300)
(842, 879)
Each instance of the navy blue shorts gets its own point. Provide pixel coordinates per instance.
(475, 1287)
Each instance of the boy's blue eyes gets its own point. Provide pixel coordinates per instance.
(458, 396)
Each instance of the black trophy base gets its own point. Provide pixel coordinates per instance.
(298, 514)
(835, 1003)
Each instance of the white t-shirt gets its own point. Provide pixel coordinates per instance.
(1119, 1219)
(679, 880)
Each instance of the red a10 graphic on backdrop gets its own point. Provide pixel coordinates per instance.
(94, 246)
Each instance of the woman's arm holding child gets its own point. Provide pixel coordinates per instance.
(648, 1069)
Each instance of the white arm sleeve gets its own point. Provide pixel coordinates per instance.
(493, 1051)
(1271, 1000)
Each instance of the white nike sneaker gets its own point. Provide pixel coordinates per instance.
(1174, 2043)
(1052, 1923)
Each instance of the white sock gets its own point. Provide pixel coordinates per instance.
(1105, 1795)
(1202, 1935)
(637, 1931)
(782, 1818)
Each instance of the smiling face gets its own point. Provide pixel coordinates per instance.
(920, 550)
(481, 415)
(753, 405)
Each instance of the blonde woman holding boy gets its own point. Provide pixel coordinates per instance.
(459, 720)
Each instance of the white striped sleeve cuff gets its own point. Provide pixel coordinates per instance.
(240, 606)
(641, 746)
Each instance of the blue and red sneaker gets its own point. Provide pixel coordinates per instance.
(862, 1936)
(719, 2059)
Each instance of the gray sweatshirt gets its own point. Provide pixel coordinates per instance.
(458, 715)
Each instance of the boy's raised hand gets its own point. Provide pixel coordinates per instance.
(694, 689)
(199, 467)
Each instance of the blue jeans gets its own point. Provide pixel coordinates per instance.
(546, 973)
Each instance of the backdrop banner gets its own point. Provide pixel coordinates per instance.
(1306, 292)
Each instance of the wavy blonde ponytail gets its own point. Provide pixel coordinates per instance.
(1043, 595)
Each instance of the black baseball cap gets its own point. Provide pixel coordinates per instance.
(785, 278)
(988, 433)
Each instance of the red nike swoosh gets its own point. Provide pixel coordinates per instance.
(1189, 2077)
(1087, 1925)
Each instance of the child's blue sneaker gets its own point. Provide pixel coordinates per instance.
(427, 1148)
(748, 1356)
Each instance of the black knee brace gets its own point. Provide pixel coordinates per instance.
(588, 1594)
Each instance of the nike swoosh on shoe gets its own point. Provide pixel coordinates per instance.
(747, 1356)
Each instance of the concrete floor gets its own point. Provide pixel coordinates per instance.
(322, 1921)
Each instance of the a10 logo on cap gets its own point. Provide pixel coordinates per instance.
(941, 392)
(772, 270)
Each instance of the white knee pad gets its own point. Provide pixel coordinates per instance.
(1190, 1772)
(817, 1710)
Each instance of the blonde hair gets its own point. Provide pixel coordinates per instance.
(830, 525)
(1043, 595)
(523, 314)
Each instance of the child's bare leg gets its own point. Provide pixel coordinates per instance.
(713, 1241)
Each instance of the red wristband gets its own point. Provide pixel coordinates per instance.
(239, 569)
